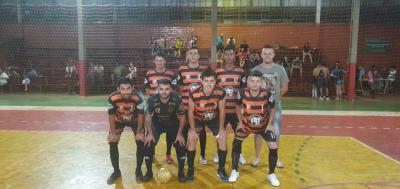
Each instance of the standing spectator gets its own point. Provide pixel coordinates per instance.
(3, 80)
(220, 43)
(99, 74)
(242, 55)
(372, 80)
(307, 52)
(70, 75)
(152, 45)
(195, 39)
(254, 60)
(392, 73)
(244, 46)
(91, 73)
(117, 72)
(296, 64)
(178, 47)
(338, 74)
(285, 63)
(132, 71)
(322, 74)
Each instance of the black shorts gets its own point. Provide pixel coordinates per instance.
(171, 129)
(323, 82)
(232, 119)
(243, 133)
(213, 126)
(120, 127)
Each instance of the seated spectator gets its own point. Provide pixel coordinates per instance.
(371, 75)
(231, 43)
(28, 77)
(132, 71)
(220, 43)
(244, 47)
(392, 73)
(70, 75)
(296, 64)
(99, 74)
(338, 74)
(307, 52)
(178, 47)
(3, 80)
(117, 72)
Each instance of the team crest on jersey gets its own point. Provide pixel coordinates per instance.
(140, 106)
(145, 81)
(209, 115)
(229, 91)
(187, 76)
(271, 99)
(154, 81)
(157, 110)
(255, 119)
(223, 79)
(126, 117)
(193, 86)
(202, 105)
(173, 82)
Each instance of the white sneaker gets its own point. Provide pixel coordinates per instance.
(273, 179)
(242, 160)
(234, 176)
(203, 161)
(279, 164)
(216, 159)
(255, 162)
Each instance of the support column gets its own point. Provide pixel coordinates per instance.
(318, 12)
(81, 66)
(214, 12)
(354, 29)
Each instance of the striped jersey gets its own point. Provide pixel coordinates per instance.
(189, 78)
(231, 81)
(125, 109)
(206, 107)
(255, 110)
(152, 77)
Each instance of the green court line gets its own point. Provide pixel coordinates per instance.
(289, 103)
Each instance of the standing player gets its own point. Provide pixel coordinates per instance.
(255, 110)
(276, 81)
(150, 83)
(207, 109)
(231, 79)
(165, 116)
(190, 77)
(126, 108)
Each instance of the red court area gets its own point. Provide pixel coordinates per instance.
(379, 132)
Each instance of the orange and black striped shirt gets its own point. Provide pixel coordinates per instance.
(231, 81)
(125, 109)
(152, 77)
(189, 78)
(206, 107)
(255, 110)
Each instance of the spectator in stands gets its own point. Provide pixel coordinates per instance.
(243, 58)
(307, 52)
(195, 39)
(220, 59)
(244, 46)
(220, 43)
(178, 47)
(117, 72)
(99, 74)
(132, 71)
(296, 64)
(152, 45)
(159, 45)
(231, 43)
(380, 81)
(90, 75)
(3, 80)
(314, 91)
(371, 75)
(392, 73)
(338, 74)
(70, 75)
(28, 77)
(285, 64)
(321, 72)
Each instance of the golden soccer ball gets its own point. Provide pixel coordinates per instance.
(164, 175)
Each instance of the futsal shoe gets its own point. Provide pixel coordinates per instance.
(139, 175)
(234, 176)
(148, 176)
(222, 175)
(273, 179)
(113, 177)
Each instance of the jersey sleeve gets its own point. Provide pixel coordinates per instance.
(150, 105)
(141, 106)
(178, 109)
(112, 108)
(174, 80)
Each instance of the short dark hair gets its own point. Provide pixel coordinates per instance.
(229, 48)
(255, 73)
(268, 47)
(208, 73)
(160, 54)
(124, 80)
(164, 82)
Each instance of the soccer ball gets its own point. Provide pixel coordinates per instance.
(164, 175)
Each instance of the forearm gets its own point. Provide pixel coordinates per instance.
(181, 123)
(111, 120)
(239, 114)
